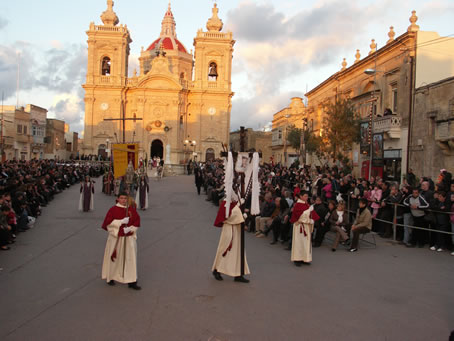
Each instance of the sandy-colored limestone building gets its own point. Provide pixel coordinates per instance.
(283, 120)
(176, 95)
(259, 141)
(402, 66)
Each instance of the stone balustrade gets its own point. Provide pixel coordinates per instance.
(389, 125)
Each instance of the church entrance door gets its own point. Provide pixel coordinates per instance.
(157, 149)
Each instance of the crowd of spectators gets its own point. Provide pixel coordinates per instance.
(420, 207)
(26, 187)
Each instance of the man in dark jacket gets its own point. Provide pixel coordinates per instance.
(321, 226)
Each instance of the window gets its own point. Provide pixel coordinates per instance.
(105, 66)
(19, 128)
(25, 130)
(394, 100)
(213, 72)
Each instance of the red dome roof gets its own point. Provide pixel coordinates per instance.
(167, 44)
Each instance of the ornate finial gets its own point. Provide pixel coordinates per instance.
(391, 35)
(168, 25)
(413, 19)
(373, 47)
(357, 56)
(109, 17)
(344, 64)
(214, 23)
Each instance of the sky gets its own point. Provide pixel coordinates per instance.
(283, 47)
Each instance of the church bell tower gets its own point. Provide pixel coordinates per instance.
(107, 72)
(212, 93)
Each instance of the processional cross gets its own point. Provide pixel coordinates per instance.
(244, 191)
(123, 118)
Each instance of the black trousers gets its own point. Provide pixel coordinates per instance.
(419, 236)
(320, 233)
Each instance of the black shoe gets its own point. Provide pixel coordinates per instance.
(273, 242)
(217, 275)
(111, 282)
(333, 249)
(297, 263)
(134, 286)
(241, 279)
(346, 242)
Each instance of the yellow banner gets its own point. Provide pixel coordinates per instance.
(123, 153)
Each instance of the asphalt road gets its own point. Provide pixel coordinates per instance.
(51, 288)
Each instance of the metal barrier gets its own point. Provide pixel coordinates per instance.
(394, 220)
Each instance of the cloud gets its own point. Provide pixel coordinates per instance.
(256, 22)
(257, 112)
(274, 50)
(64, 70)
(3, 23)
(68, 107)
(10, 56)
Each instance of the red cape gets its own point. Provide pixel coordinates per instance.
(299, 209)
(118, 213)
(220, 218)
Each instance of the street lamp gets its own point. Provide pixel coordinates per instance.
(107, 150)
(373, 72)
(303, 141)
(285, 139)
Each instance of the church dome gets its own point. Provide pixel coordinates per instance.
(168, 43)
(168, 37)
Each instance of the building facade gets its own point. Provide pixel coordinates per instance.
(259, 141)
(283, 121)
(432, 138)
(55, 140)
(23, 138)
(176, 95)
(38, 124)
(382, 88)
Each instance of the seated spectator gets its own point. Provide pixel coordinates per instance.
(340, 224)
(280, 221)
(5, 229)
(265, 214)
(321, 226)
(362, 224)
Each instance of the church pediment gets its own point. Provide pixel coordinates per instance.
(159, 82)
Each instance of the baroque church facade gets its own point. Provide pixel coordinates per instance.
(177, 106)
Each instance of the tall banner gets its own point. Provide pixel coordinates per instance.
(123, 153)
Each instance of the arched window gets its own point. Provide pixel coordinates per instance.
(105, 66)
(209, 154)
(213, 72)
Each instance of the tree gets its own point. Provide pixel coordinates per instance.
(340, 128)
(294, 137)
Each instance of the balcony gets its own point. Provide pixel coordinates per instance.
(389, 125)
(8, 142)
(23, 138)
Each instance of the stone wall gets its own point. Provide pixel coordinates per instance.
(432, 134)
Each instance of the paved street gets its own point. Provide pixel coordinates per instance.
(51, 287)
